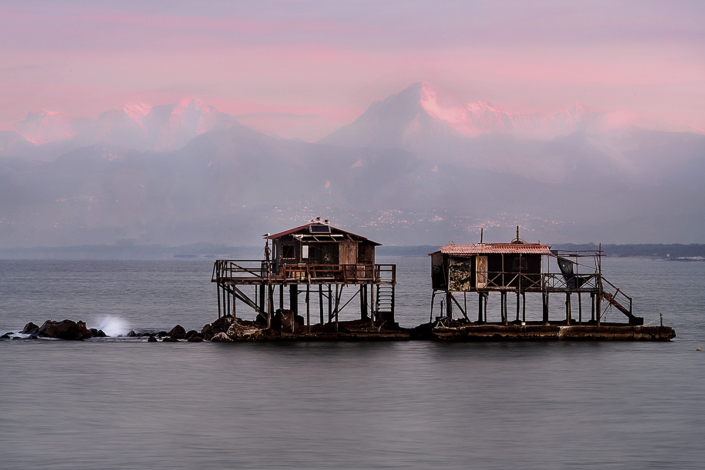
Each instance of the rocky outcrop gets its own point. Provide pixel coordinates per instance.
(221, 338)
(178, 332)
(194, 339)
(65, 329)
(245, 331)
(98, 333)
(152, 339)
(30, 329)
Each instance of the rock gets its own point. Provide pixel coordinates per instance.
(132, 334)
(162, 333)
(66, 329)
(222, 324)
(152, 339)
(221, 338)
(33, 337)
(5, 336)
(195, 339)
(191, 333)
(177, 332)
(170, 340)
(207, 332)
(30, 329)
(98, 333)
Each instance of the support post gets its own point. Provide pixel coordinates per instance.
(449, 304)
(320, 301)
(308, 309)
(270, 305)
(545, 308)
(567, 308)
(337, 302)
(363, 301)
(592, 310)
(598, 307)
(479, 311)
(518, 305)
(523, 307)
(294, 298)
(281, 297)
(580, 309)
(217, 286)
(330, 302)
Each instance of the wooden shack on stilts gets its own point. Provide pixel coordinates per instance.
(518, 268)
(313, 260)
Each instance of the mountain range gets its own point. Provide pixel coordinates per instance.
(416, 168)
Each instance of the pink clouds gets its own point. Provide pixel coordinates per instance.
(332, 61)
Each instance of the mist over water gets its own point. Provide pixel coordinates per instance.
(104, 404)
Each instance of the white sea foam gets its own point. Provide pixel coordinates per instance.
(113, 326)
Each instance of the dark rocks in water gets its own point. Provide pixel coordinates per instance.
(170, 340)
(30, 329)
(33, 337)
(132, 334)
(178, 332)
(65, 329)
(221, 338)
(98, 333)
(6, 335)
(152, 339)
(194, 339)
(191, 333)
(207, 331)
(221, 325)
(161, 334)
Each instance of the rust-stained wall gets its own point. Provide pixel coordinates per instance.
(438, 276)
(460, 274)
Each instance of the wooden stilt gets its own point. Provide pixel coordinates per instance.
(479, 311)
(518, 305)
(320, 302)
(308, 309)
(449, 304)
(218, 295)
(281, 297)
(580, 309)
(567, 308)
(545, 308)
(523, 307)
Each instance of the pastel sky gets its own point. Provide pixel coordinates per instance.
(321, 63)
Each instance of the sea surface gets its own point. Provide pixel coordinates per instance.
(123, 403)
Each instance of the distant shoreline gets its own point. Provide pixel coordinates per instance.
(206, 251)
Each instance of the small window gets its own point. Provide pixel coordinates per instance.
(304, 252)
(520, 263)
(319, 228)
(288, 252)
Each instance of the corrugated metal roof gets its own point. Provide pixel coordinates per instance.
(304, 228)
(496, 248)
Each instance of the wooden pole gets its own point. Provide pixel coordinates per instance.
(479, 310)
(330, 302)
(580, 309)
(281, 297)
(294, 298)
(567, 308)
(449, 304)
(337, 302)
(592, 310)
(545, 308)
(518, 305)
(523, 307)
(320, 302)
(217, 286)
(308, 309)
(506, 313)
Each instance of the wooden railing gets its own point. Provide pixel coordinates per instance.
(255, 271)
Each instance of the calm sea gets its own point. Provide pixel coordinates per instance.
(128, 404)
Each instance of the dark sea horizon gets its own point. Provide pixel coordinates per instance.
(123, 403)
